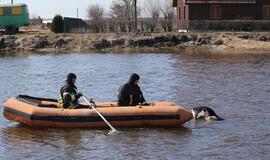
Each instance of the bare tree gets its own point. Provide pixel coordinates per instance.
(153, 11)
(119, 15)
(169, 14)
(96, 14)
(35, 20)
(123, 11)
(135, 14)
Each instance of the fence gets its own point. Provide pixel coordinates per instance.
(230, 25)
(114, 25)
(73, 23)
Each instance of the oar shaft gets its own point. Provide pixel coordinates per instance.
(99, 114)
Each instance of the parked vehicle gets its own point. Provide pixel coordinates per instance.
(13, 16)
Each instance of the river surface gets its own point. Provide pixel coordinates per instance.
(237, 87)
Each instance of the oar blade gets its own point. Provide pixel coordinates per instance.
(113, 131)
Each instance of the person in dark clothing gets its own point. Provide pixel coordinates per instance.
(68, 94)
(130, 93)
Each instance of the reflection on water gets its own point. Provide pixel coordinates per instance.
(74, 142)
(236, 86)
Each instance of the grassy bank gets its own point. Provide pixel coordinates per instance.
(217, 42)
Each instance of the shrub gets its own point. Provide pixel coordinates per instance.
(57, 25)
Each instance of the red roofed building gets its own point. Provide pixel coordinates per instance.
(220, 10)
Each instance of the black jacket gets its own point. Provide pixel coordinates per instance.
(71, 88)
(130, 95)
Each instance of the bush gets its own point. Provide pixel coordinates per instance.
(57, 25)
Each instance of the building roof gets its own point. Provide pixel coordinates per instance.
(12, 5)
(219, 1)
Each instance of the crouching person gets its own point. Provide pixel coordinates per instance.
(68, 93)
(130, 93)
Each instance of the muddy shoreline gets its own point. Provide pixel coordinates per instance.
(215, 42)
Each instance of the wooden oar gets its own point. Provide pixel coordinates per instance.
(113, 130)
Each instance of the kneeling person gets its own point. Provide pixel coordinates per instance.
(130, 93)
(68, 94)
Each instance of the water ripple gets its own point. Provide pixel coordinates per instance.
(236, 87)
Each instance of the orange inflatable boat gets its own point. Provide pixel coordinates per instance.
(40, 112)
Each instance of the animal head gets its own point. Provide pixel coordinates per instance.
(202, 114)
(206, 113)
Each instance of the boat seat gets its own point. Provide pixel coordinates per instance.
(48, 105)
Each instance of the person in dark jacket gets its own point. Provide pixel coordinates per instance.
(68, 93)
(130, 93)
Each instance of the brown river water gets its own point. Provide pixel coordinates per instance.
(237, 87)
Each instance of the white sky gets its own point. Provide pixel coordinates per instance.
(67, 8)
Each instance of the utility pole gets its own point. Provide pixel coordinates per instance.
(77, 13)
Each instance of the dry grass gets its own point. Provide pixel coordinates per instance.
(81, 42)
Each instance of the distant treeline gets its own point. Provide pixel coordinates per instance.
(122, 17)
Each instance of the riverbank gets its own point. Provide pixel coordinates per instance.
(216, 42)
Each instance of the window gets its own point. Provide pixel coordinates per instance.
(215, 12)
(7, 11)
(1, 11)
(16, 10)
(266, 11)
(26, 9)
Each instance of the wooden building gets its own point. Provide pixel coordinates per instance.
(188, 10)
